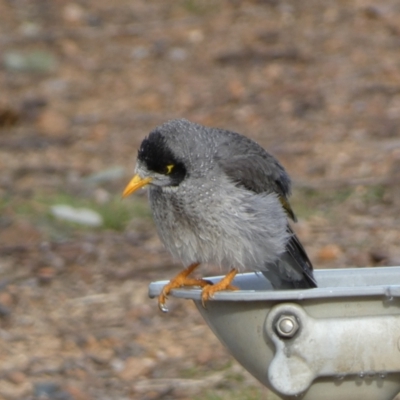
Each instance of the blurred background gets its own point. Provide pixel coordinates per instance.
(81, 83)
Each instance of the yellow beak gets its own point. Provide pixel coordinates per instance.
(136, 183)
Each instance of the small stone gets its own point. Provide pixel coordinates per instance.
(101, 356)
(52, 123)
(372, 12)
(46, 274)
(378, 256)
(177, 54)
(117, 365)
(100, 351)
(205, 356)
(46, 389)
(358, 258)
(195, 36)
(136, 367)
(4, 311)
(77, 394)
(140, 52)
(6, 299)
(329, 252)
(16, 377)
(73, 13)
(82, 216)
(70, 48)
(8, 116)
(236, 89)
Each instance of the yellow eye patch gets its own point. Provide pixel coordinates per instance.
(170, 168)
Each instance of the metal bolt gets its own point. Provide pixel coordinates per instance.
(287, 326)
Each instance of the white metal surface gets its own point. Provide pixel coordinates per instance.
(347, 345)
(359, 347)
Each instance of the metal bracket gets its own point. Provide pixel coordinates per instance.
(307, 348)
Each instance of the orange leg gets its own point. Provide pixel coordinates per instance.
(224, 284)
(178, 281)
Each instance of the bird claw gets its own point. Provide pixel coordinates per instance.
(162, 298)
(178, 283)
(205, 297)
(225, 284)
(163, 307)
(208, 293)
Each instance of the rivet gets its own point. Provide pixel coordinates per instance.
(287, 326)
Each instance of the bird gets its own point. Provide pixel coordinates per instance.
(218, 197)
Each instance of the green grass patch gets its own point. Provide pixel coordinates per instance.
(249, 393)
(195, 371)
(373, 194)
(307, 202)
(200, 7)
(116, 212)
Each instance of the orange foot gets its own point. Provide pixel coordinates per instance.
(180, 280)
(224, 284)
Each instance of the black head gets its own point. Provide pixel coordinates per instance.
(159, 158)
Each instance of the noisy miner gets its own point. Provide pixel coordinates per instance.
(219, 198)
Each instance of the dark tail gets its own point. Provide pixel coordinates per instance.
(294, 269)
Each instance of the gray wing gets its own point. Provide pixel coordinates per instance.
(263, 172)
(293, 270)
(250, 166)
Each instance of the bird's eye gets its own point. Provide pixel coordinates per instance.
(169, 168)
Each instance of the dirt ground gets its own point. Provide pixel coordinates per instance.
(81, 83)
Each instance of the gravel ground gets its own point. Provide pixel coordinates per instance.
(317, 83)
